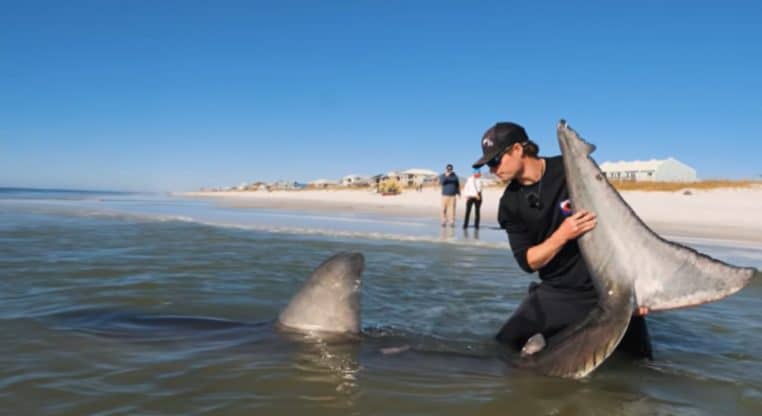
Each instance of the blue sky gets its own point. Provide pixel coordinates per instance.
(163, 95)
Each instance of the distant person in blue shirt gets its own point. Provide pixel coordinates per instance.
(450, 189)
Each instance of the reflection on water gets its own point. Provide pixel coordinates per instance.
(333, 364)
(447, 233)
(471, 233)
(463, 235)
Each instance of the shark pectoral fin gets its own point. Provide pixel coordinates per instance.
(581, 348)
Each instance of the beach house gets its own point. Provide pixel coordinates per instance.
(664, 170)
(322, 184)
(256, 186)
(412, 177)
(355, 180)
(286, 185)
(418, 177)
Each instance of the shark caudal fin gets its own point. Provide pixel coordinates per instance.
(579, 349)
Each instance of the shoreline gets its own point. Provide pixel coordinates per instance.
(731, 214)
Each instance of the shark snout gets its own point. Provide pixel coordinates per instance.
(356, 261)
(570, 142)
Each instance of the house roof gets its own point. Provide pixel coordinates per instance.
(416, 171)
(323, 182)
(638, 165)
(354, 176)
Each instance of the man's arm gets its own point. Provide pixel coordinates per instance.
(573, 226)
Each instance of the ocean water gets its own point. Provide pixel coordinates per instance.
(124, 304)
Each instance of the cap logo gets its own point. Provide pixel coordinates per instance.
(487, 142)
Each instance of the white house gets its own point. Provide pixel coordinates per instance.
(415, 177)
(355, 180)
(282, 185)
(412, 177)
(665, 170)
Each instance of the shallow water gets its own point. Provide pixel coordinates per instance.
(139, 304)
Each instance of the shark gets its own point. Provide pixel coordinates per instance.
(327, 306)
(630, 266)
(329, 300)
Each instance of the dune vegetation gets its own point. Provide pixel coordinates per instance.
(677, 186)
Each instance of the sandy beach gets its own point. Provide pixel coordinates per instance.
(721, 214)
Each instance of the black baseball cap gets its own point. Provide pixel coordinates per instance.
(498, 138)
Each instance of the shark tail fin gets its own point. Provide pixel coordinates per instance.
(578, 350)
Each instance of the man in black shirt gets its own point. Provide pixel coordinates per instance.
(535, 211)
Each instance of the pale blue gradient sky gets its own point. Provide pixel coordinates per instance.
(175, 95)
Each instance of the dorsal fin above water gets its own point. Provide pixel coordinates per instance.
(329, 301)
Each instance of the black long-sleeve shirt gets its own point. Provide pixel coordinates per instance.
(530, 214)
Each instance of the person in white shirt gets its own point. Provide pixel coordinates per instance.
(473, 194)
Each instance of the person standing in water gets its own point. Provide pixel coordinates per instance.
(472, 191)
(450, 190)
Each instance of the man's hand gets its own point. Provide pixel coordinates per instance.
(577, 224)
(640, 311)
